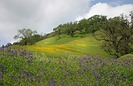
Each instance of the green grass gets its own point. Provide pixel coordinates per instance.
(56, 41)
(65, 62)
(79, 45)
(66, 71)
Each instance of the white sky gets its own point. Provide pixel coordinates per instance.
(44, 15)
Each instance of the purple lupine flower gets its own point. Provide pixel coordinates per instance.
(14, 53)
(53, 82)
(97, 77)
(22, 52)
(1, 75)
(79, 72)
(26, 73)
(85, 68)
(4, 69)
(9, 49)
(112, 75)
(29, 58)
(0, 66)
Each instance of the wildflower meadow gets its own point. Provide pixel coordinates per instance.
(23, 68)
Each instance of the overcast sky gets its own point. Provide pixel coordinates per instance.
(44, 15)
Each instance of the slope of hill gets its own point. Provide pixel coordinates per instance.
(79, 46)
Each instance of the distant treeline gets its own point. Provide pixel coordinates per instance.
(84, 26)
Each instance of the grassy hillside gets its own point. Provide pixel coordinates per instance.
(66, 45)
(55, 62)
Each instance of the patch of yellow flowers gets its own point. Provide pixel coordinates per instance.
(59, 48)
(51, 49)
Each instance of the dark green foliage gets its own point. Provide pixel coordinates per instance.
(84, 26)
(35, 38)
(92, 24)
(95, 23)
(72, 27)
(58, 30)
(68, 28)
(117, 36)
(28, 37)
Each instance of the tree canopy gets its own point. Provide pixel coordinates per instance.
(117, 35)
(27, 36)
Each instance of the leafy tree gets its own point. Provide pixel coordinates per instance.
(67, 28)
(25, 35)
(58, 30)
(83, 25)
(95, 23)
(91, 24)
(71, 28)
(35, 38)
(117, 36)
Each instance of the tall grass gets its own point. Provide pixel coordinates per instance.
(22, 68)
